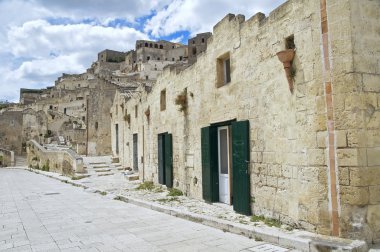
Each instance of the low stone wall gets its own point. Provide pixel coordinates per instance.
(7, 158)
(65, 162)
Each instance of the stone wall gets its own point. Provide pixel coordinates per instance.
(290, 152)
(10, 130)
(65, 162)
(7, 158)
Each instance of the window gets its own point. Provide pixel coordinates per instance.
(96, 125)
(148, 58)
(172, 59)
(193, 41)
(150, 45)
(146, 44)
(163, 100)
(155, 46)
(83, 118)
(194, 50)
(203, 40)
(64, 111)
(289, 42)
(180, 58)
(223, 70)
(161, 47)
(136, 111)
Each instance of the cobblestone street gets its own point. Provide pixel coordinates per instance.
(42, 214)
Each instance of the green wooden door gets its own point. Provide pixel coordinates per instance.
(161, 165)
(168, 163)
(209, 150)
(240, 167)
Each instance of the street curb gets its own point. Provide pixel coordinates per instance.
(299, 240)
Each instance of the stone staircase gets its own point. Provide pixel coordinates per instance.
(106, 166)
(21, 161)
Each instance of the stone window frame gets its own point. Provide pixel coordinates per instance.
(223, 70)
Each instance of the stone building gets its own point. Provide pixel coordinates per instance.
(300, 143)
(197, 45)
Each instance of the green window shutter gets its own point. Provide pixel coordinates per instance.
(209, 150)
(161, 170)
(168, 160)
(240, 167)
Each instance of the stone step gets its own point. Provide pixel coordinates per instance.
(131, 177)
(115, 160)
(100, 166)
(103, 170)
(97, 163)
(105, 174)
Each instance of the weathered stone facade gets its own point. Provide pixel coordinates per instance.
(314, 153)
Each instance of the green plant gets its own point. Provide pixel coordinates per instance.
(267, 221)
(258, 239)
(127, 118)
(45, 167)
(1, 158)
(175, 192)
(181, 100)
(168, 199)
(147, 185)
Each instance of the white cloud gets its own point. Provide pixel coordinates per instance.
(48, 50)
(200, 16)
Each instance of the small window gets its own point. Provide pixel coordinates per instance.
(194, 50)
(223, 70)
(146, 77)
(146, 44)
(155, 46)
(148, 58)
(193, 41)
(173, 47)
(150, 45)
(161, 47)
(172, 59)
(289, 42)
(163, 100)
(203, 40)
(180, 58)
(83, 118)
(51, 107)
(136, 113)
(64, 111)
(158, 58)
(96, 125)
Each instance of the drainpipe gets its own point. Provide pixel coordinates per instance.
(87, 126)
(331, 146)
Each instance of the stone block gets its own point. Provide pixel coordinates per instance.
(354, 195)
(371, 82)
(374, 194)
(364, 176)
(321, 139)
(373, 156)
(373, 217)
(344, 176)
(347, 157)
(316, 157)
(341, 138)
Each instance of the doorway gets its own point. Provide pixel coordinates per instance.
(224, 164)
(165, 159)
(135, 153)
(117, 138)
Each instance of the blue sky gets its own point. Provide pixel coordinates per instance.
(52, 37)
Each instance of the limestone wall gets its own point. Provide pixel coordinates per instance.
(10, 129)
(7, 158)
(355, 36)
(290, 152)
(65, 162)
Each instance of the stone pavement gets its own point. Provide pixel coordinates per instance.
(42, 214)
